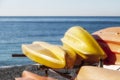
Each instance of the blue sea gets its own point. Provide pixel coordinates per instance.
(15, 31)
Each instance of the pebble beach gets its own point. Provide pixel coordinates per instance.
(10, 73)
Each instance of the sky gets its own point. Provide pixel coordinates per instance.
(59, 7)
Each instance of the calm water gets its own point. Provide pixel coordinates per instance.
(15, 31)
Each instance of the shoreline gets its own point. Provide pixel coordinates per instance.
(10, 73)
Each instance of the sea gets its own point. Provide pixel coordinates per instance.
(18, 30)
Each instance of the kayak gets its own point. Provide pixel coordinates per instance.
(44, 53)
(110, 34)
(27, 75)
(109, 40)
(82, 43)
(96, 73)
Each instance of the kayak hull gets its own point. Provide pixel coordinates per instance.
(109, 40)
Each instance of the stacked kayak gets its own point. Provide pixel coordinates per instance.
(44, 53)
(83, 44)
(53, 56)
(78, 45)
(109, 40)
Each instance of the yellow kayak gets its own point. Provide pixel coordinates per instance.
(83, 43)
(53, 56)
(69, 55)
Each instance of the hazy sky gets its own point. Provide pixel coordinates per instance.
(59, 7)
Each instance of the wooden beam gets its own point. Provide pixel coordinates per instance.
(18, 55)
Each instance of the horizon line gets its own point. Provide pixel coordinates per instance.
(57, 16)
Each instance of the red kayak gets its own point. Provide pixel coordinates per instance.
(109, 40)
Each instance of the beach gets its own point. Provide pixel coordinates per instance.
(10, 73)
